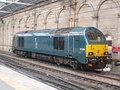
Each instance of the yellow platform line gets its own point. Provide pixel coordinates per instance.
(14, 84)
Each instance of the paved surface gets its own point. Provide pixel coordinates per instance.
(11, 80)
(4, 86)
(115, 69)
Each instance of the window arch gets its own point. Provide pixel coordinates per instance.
(64, 17)
(29, 22)
(85, 14)
(40, 22)
(105, 20)
(51, 20)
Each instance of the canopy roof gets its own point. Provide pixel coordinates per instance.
(10, 6)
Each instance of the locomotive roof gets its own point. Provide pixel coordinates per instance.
(57, 31)
(36, 31)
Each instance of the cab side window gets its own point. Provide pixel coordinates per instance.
(21, 41)
(58, 43)
(76, 41)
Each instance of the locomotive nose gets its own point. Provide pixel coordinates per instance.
(96, 50)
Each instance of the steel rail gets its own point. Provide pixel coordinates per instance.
(67, 73)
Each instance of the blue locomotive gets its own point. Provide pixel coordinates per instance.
(83, 47)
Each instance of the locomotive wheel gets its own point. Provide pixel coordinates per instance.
(83, 67)
(75, 66)
(56, 60)
(25, 56)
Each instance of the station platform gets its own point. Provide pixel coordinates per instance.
(12, 80)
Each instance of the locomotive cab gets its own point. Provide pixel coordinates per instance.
(96, 49)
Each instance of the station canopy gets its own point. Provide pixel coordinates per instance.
(10, 6)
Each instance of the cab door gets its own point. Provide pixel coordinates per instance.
(76, 46)
(73, 45)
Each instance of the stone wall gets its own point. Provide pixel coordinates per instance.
(103, 14)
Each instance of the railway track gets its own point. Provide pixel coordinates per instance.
(68, 79)
(109, 75)
(38, 73)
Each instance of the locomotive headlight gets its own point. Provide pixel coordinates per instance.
(105, 53)
(90, 53)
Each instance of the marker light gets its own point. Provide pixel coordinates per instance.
(90, 53)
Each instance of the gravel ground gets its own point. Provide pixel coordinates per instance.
(115, 69)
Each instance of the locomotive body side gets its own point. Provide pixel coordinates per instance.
(64, 46)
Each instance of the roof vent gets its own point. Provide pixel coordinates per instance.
(26, 31)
